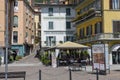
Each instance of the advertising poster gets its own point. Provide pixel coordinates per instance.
(98, 56)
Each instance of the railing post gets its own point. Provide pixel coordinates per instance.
(39, 74)
(70, 74)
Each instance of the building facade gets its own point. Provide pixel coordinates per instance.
(6, 16)
(23, 28)
(56, 26)
(98, 22)
(37, 25)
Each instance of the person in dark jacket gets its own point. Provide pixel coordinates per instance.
(14, 55)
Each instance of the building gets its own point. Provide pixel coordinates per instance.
(56, 26)
(23, 27)
(5, 17)
(37, 25)
(98, 21)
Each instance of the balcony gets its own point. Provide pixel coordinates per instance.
(101, 37)
(91, 13)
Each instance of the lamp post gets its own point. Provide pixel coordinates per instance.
(6, 39)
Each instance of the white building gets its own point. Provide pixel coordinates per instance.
(56, 26)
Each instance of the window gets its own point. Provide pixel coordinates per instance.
(98, 27)
(15, 21)
(114, 4)
(39, 33)
(16, 3)
(98, 4)
(50, 25)
(16, 6)
(15, 36)
(89, 30)
(68, 11)
(116, 26)
(39, 25)
(50, 40)
(50, 11)
(68, 38)
(26, 34)
(81, 33)
(68, 25)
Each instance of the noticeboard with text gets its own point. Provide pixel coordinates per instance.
(98, 51)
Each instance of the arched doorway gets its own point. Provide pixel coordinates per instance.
(116, 55)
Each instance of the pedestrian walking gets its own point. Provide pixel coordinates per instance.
(14, 55)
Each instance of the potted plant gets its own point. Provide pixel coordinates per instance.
(45, 60)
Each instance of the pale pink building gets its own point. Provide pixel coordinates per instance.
(3, 25)
(23, 27)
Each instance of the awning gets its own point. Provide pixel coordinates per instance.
(70, 45)
(116, 48)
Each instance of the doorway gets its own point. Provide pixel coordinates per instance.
(116, 57)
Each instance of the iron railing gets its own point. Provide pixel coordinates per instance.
(100, 37)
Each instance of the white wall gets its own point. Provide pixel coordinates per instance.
(59, 21)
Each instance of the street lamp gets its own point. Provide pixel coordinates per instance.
(6, 39)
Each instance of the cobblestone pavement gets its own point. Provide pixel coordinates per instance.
(61, 73)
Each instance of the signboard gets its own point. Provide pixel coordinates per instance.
(98, 51)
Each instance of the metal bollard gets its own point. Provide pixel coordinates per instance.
(97, 74)
(70, 74)
(39, 74)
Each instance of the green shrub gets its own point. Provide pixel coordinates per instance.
(45, 60)
(11, 58)
(18, 57)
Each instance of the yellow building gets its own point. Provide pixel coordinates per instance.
(98, 21)
(37, 25)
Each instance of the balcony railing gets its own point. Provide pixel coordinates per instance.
(88, 15)
(100, 37)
